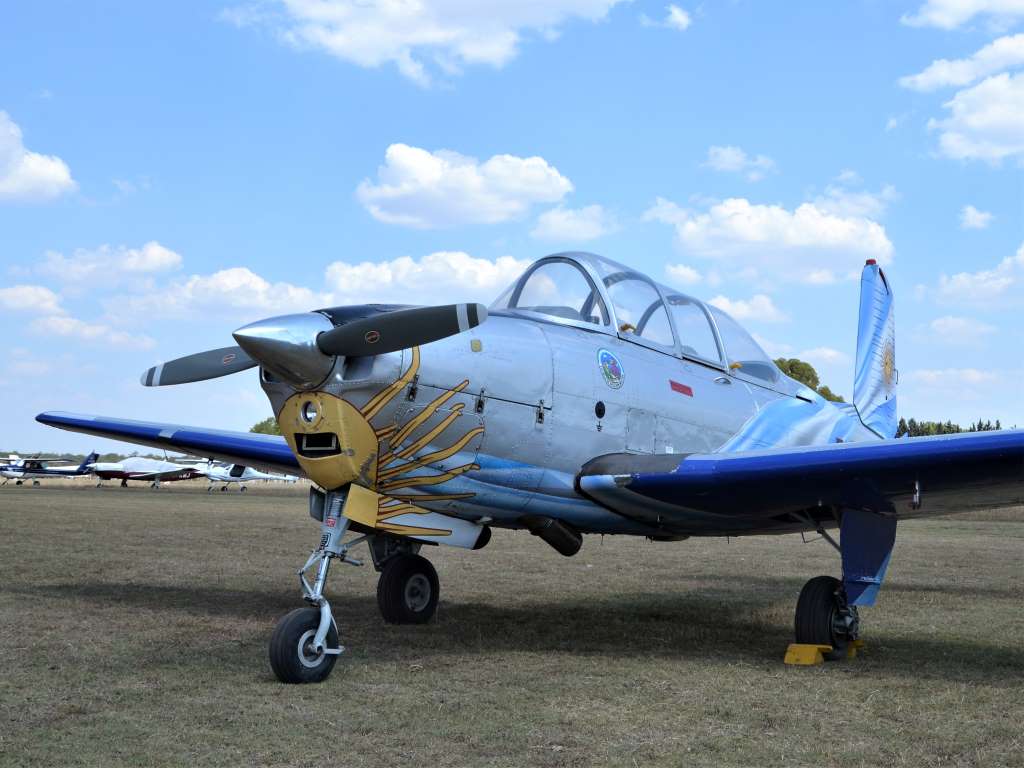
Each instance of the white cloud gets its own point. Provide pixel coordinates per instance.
(27, 176)
(987, 286)
(62, 325)
(949, 14)
(758, 307)
(422, 189)
(242, 295)
(437, 278)
(681, 274)
(972, 218)
(30, 298)
(951, 378)
(986, 121)
(842, 201)
(895, 121)
(808, 244)
(226, 292)
(677, 18)
(568, 224)
(824, 356)
(959, 330)
(450, 34)
(732, 159)
(109, 263)
(999, 55)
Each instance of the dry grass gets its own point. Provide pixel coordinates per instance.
(133, 630)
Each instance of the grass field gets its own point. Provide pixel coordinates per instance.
(134, 623)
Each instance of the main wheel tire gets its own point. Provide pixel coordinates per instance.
(291, 653)
(408, 590)
(818, 619)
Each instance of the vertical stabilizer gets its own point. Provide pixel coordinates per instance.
(874, 385)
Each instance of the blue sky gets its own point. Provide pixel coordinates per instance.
(171, 171)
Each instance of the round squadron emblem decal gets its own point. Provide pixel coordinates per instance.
(611, 368)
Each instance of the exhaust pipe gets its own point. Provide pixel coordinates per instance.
(563, 538)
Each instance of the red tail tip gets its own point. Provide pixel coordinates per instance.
(871, 262)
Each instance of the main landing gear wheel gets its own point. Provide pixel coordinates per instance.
(408, 590)
(824, 618)
(293, 656)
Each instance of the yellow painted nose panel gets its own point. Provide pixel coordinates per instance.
(309, 419)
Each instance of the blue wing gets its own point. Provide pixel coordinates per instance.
(788, 489)
(267, 452)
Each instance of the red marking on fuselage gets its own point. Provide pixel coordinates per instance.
(680, 388)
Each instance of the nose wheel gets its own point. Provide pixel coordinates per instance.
(294, 655)
(408, 590)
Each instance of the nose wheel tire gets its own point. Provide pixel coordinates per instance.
(823, 618)
(408, 590)
(292, 655)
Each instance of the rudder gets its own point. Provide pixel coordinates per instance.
(875, 377)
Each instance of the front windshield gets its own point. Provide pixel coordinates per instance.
(746, 358)
(556, 288)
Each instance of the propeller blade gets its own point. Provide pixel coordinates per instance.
(401, 329)
(198, 367)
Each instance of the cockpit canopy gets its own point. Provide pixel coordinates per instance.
(600, 295)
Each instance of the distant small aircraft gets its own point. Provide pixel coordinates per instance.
(239, 473)
(592, 400)
(35, 469)
(142, 469)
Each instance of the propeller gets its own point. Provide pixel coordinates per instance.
(300, 348)
(400, 329)
(199, 367)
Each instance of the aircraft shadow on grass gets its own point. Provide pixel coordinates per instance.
(709, 626)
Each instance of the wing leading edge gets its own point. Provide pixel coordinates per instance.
(267, 452)
(774, 490)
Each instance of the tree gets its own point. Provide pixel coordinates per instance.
(266, 427)
(804, 373)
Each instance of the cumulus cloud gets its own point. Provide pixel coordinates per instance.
(758, 307)
(109, 263)
(25, 175)
(985, 121)
(450, 34)
(417, 188)
(949, 14)
(959, 330)
(437, 278)
(824, 356)
(807, 244)
(1003, 283)
(63, 325)
(841, 200)
(951, 378)
(732, 159)
(574, 225)
(999, 55)
(237, 292)
(677, 18)
(30, 298)
(972, 218)
(682, 274)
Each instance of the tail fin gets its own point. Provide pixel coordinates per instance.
(90, 459)
(874, 385)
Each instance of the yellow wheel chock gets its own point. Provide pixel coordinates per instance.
(809, 655)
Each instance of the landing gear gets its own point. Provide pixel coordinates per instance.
(124, 482)
(408, 590)
(294, 654)
(35, 483)
(241, 489)
(305, 643)
(18, 482)
(823, 616)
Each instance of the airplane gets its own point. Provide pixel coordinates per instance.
(587, 399)
(35, 469)
(239, 473)
(140, 468)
